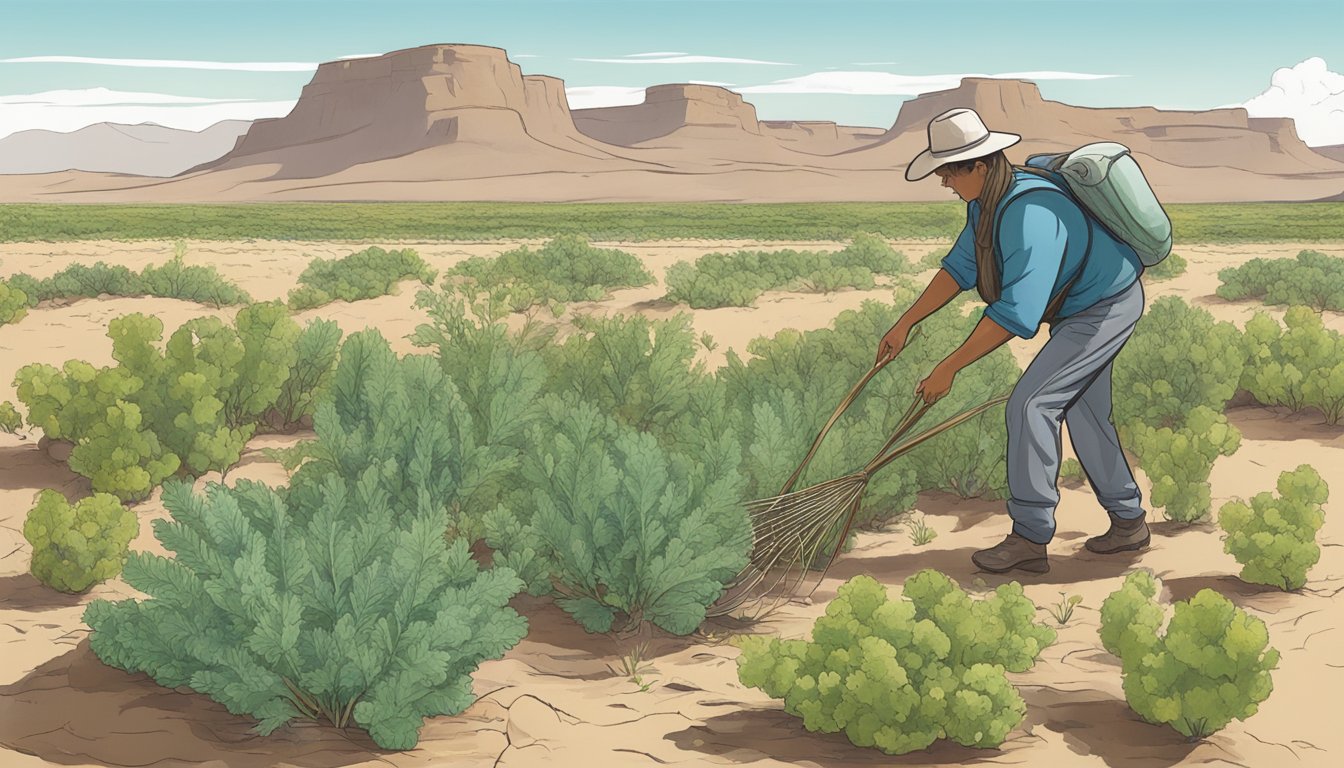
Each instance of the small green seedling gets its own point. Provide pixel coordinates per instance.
(1063, 610)
(634, 667)
(921, 533)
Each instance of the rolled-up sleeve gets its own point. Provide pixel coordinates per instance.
(960, 261)
(1032, 239)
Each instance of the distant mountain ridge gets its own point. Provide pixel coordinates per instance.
(462, 122)
(143, 149)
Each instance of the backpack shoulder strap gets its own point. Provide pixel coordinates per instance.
(1056, 184)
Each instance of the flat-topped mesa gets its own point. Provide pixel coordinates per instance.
(415, 98)
(668, 108)
(1183, 138)
(1000, 103)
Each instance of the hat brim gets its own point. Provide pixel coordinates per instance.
(925, 162)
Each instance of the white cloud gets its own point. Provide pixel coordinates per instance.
(236, 66)
(70, 110)
(889, 84)
(678, 58)
(1311, 95)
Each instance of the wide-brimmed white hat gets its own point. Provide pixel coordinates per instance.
(957, 134)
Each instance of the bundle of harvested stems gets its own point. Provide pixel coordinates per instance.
(795, 531)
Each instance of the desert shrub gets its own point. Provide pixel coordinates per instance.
(1312, 279)
(91, 407)
(738, 279)
(171, 280)
(13, 302)
(565, 269)
(624, 528)
(10, 420)
(342, 605)
(1210, 667)
(500, 377)
(405, 418)
(1172, 266)
(366, 274)
(309, 375)
(201, 284)
(640, 371)
(901, 674)
(183, 387)
(1178, 461)
(78, 545)
(795, 380)
(1071, 471)
(1300, 367)
(189, 403)
(1274, 539)
(1177, 360)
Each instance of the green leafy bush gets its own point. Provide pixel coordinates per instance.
(1178, 461)
(1274, 539)
(191, 403)
(640, 371)
(91, 407)
(201, 284)
(500, 377)
(565, 269)
(738, 279)
(1312, 279)
(1300, 367)
(10, 420)
(310, 373)
(794, 381)
(13, 302)
(622, 526)
(182, 390)
(1177, 360)
(1172, 266)
(78, 545)
(1071, 471)
(1210, 667)
(172, 280)
(405, 418)
(366, 274)
(342, 605)
(901, 674)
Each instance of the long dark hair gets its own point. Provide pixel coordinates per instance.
(997, 180)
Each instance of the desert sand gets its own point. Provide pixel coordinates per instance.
(557, 698)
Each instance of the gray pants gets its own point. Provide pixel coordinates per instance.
(1071, 380)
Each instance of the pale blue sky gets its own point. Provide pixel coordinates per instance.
(1172, 54)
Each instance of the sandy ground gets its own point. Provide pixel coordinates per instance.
(556, 699)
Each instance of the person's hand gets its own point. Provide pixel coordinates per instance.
(892, 343)
(937, 384)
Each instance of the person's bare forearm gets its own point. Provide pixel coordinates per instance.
(987, 337)
(941, 289)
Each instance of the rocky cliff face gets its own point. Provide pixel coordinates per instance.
(362, 110)
(1207, 139)
(666, 109)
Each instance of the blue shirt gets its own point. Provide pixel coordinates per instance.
(1041, 240)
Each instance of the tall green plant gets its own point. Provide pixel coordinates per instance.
(623, 528)
(343, 606)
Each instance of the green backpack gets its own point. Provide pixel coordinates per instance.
(1106, 181)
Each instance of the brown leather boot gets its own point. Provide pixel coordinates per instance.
(1013, 552)
(1123, 536)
